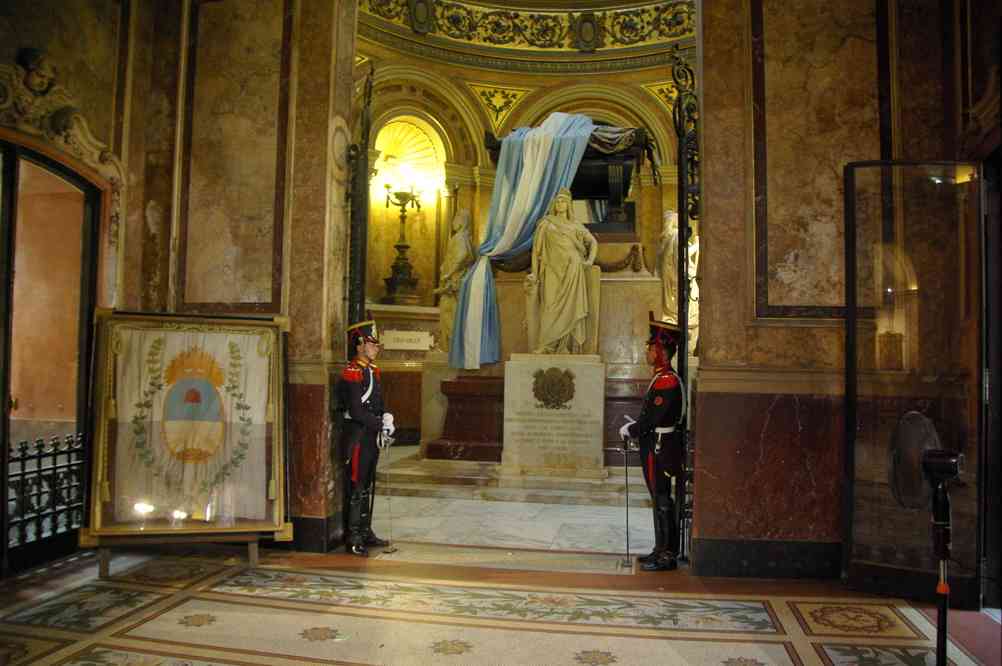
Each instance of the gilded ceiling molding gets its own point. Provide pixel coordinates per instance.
(665, 92)
(472, 24)
(498, 101)
(562, 62)
(34, 104)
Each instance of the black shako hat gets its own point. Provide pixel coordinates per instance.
(663, 333)
(363, 331)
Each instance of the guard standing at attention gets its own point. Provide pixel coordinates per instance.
(366, 430)
(660, 431)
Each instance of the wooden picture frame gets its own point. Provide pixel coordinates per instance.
(188, 424)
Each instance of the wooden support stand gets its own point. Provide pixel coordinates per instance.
(104, 545)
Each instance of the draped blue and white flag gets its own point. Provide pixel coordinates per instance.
(534, 164)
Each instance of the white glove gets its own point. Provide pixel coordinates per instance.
(388, 427)
(624, 432)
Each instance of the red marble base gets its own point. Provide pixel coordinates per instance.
(474, 420)
(768, 467)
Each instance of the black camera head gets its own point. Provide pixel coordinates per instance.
(940, 465)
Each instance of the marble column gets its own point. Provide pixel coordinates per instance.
(317, 260)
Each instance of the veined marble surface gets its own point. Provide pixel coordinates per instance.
(583, 528)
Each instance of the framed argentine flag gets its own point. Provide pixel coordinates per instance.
(188, 426)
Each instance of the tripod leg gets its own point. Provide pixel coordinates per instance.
(942, 608)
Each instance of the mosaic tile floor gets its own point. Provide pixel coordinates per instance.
(205, 609)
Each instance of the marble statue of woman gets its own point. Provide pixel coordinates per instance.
(693, 251)
(667, 266)
(562, 289)
(458, 257)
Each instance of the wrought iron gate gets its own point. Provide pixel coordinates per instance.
(685, 118)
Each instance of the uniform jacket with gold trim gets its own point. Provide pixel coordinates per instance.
(662, 408)
(361, 398)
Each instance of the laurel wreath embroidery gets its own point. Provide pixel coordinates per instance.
(553, 388)
(154, 385)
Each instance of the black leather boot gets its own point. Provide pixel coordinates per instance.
(371, 540)
(666, 560)
(659, 539)
(358, 512)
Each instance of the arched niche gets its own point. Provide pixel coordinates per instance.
(406, 90)
(411, 151)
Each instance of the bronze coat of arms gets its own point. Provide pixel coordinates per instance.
(553, 388)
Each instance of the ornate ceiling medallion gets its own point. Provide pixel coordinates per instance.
(498, 101)
(471, 24)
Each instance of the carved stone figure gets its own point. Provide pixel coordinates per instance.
(666, 266)
(458, 257)
(31, 101)
(562, 289)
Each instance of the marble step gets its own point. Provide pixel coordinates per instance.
(638, 495)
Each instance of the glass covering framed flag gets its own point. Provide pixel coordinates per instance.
(189, 424)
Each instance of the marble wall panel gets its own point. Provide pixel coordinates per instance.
(768, 467)
(308, 253)
(918, 63)
(726, 170)
(820, 111)
(155, 109)
(82, 40)
(234, 170)
(310, 471)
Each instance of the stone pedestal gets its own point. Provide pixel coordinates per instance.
(433, 402)
(553, 416)
(473, 420)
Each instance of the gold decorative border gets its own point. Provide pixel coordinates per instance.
(491, 27)
(498, 101)
(106, 322)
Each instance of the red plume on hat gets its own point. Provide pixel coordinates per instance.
(663, 333)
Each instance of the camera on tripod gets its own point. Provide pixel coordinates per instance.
(940, 465)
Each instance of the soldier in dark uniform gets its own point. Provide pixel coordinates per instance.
(366, 430)
(659, 430)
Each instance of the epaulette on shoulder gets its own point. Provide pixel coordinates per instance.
(352, 373)
(375, 370)
(665, 381)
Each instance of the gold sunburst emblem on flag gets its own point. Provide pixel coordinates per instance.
(194, 426)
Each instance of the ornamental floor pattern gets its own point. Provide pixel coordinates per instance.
(204, 606)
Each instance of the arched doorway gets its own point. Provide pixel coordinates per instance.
(49, 221)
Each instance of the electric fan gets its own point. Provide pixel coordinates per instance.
(919, 472)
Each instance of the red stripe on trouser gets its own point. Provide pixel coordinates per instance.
(649, 477)
(354, 462)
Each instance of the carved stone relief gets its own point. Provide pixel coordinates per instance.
(33, 102)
